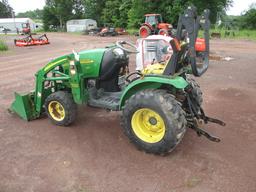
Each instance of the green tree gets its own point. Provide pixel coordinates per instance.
(36, 14)
(50, 20)
(115, 12)
(78, 9)
(123, 13)
(93, 9)
(215, 6)
(170, 9)
(57, 12)
(6, 10)
(62, 9)
(124, 9)
(136, 13)
(248, 19)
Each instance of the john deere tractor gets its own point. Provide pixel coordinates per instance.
(157, 108)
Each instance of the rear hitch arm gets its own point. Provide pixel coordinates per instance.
(200, 119)
(210, 119)
(201, 132)
(213, 120)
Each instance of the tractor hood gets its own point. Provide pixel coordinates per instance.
(164, 26)
(90, 61)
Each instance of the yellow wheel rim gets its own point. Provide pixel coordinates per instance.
(148, 125)
(56, 110)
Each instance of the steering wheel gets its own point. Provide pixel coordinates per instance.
(121, 44)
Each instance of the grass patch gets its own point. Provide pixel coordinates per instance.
(236, 34)
(75, 33)
(132, 31)
(40, 31)
(8, 34)
(3, 46)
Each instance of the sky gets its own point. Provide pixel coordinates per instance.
(239, 6)
(26, 5)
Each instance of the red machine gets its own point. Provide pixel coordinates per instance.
(30, 41)
(26, 28)
(108, 31)
(154, 25)
(200, 45)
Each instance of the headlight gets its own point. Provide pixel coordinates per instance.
(170, 26)
(72, 67)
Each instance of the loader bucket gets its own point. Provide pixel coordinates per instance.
(23, 106)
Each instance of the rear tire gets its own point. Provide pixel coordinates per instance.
(144, 31)
(197, 94)
(154, 121)
(61, 108)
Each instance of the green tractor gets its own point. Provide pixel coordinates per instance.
(156, 108)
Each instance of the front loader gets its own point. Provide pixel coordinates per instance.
(157, 108)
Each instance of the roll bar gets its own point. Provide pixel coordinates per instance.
(190, 22)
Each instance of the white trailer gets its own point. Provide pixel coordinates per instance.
(80, 25)
(14, 25)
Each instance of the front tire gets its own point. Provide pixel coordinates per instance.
(61, 108)
(154, 121)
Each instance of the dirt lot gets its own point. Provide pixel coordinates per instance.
(93, 155)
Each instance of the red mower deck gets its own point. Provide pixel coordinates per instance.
(30, 41)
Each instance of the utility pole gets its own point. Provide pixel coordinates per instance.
(13, 16)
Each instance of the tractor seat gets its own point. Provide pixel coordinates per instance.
(111, 65)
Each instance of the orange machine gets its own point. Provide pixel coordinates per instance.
(154, 25)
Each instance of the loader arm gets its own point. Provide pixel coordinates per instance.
(41, 92)
(29, 106)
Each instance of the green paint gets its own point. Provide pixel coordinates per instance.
(151, 82)
(56, 62)
(90, 61)
(23, 106)
(30, 106)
